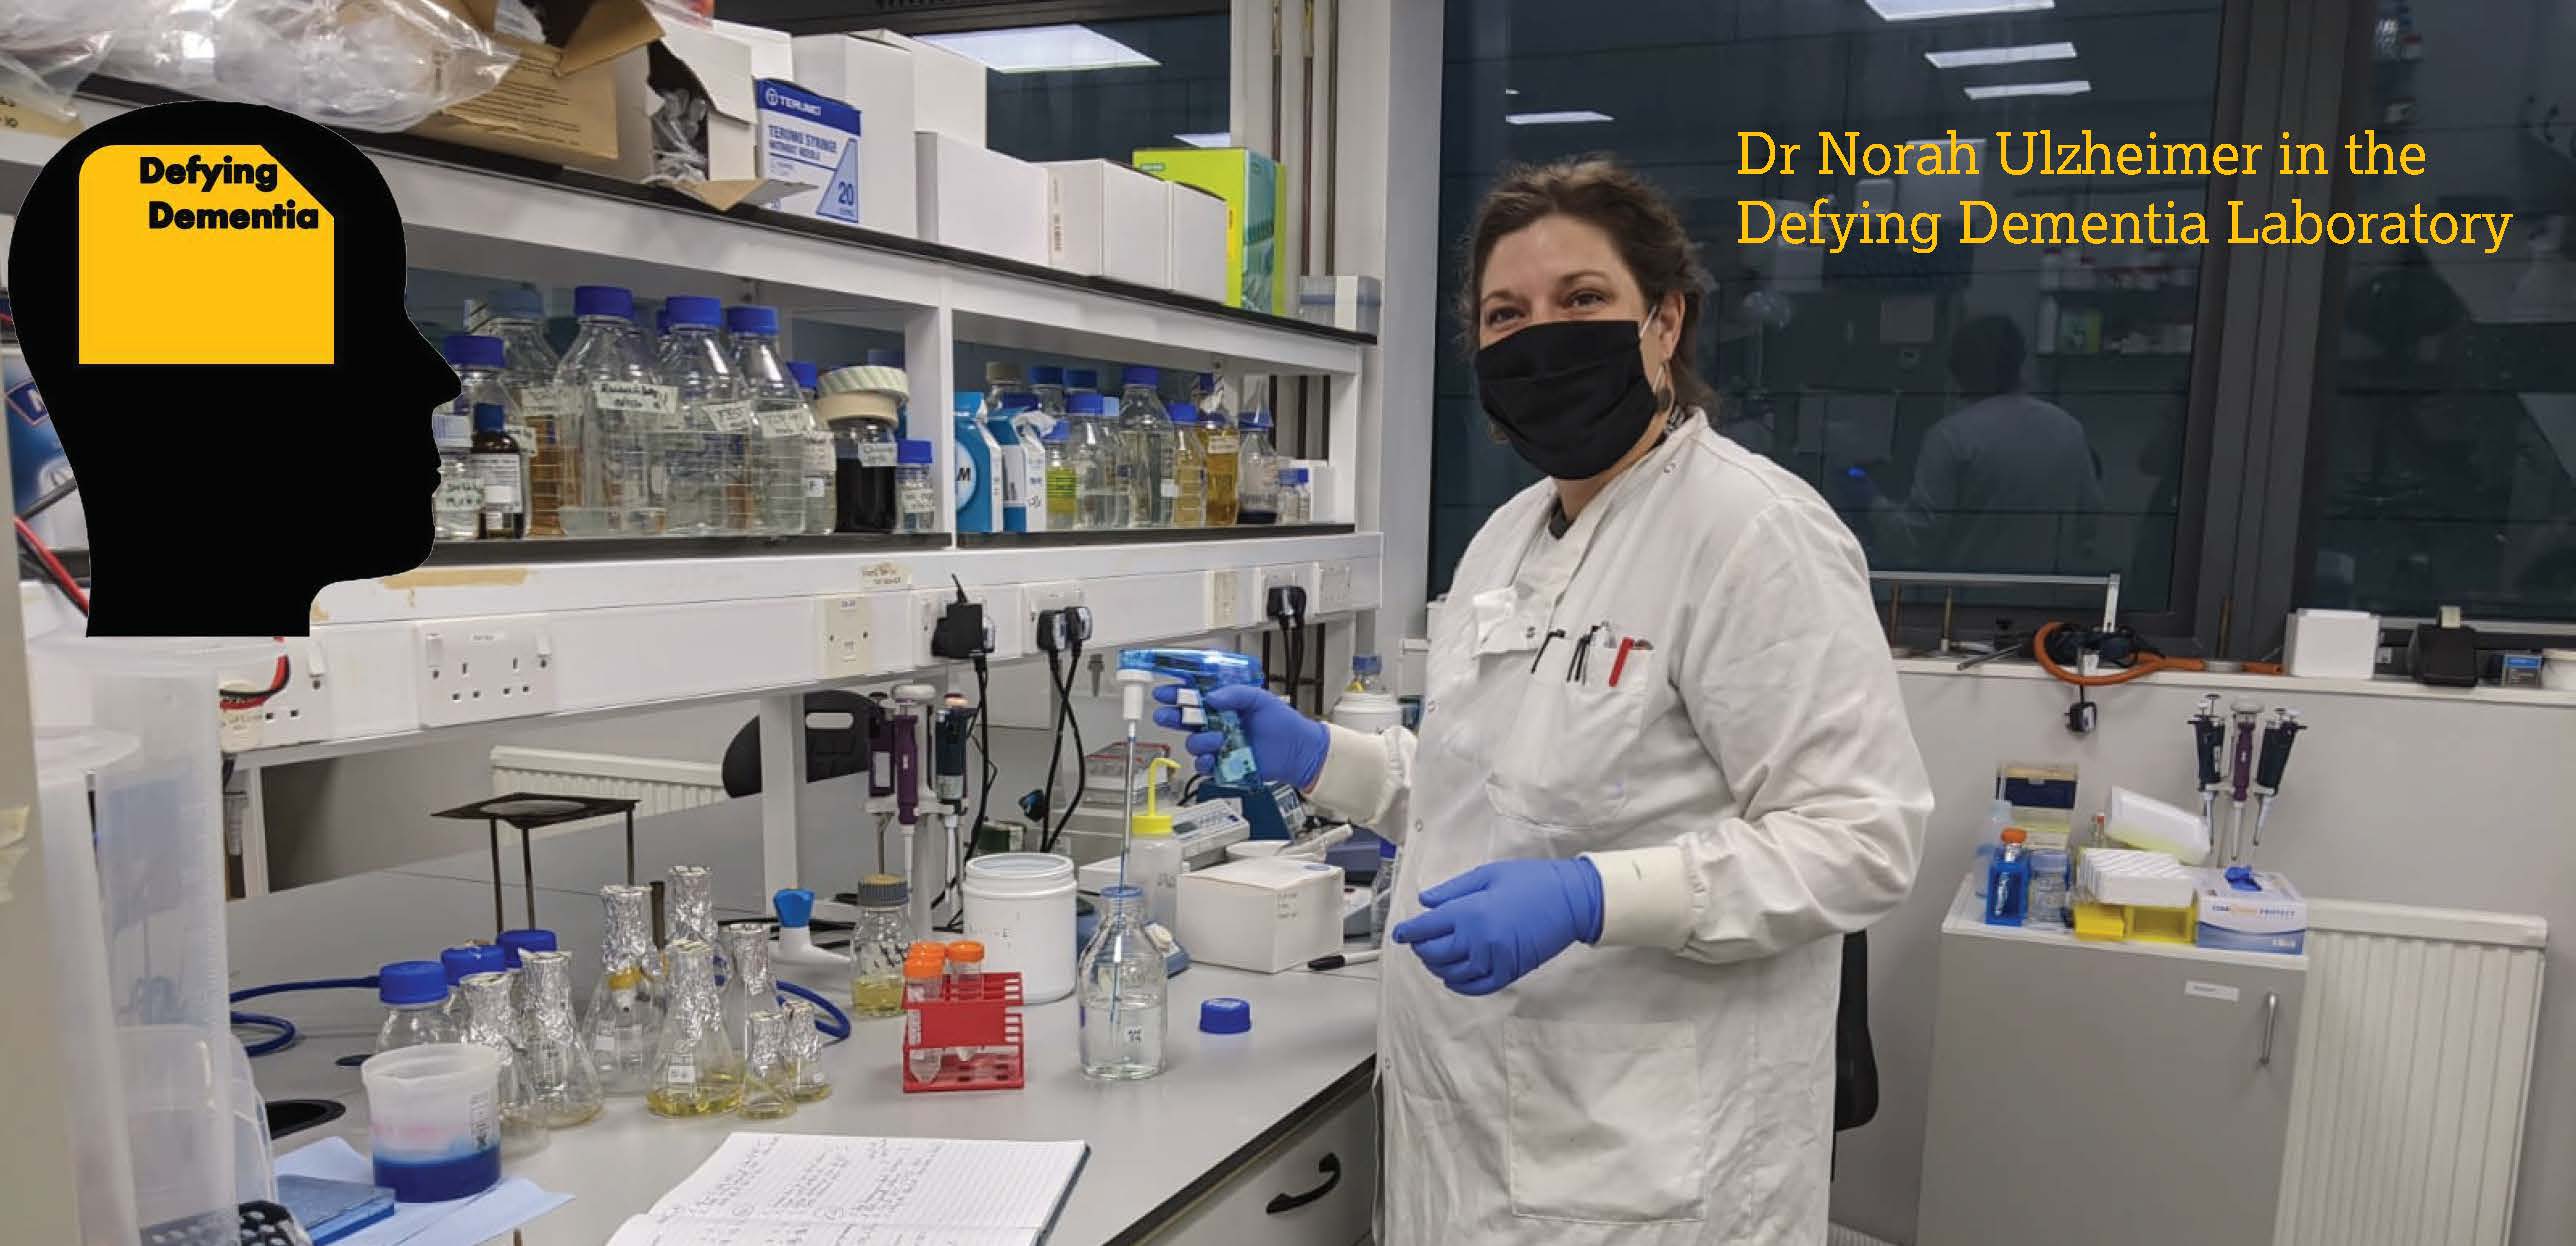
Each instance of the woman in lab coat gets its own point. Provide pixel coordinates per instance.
(1662, 768)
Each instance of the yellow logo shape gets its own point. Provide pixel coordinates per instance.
(208, 254)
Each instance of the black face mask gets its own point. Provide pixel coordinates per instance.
(1572, 395)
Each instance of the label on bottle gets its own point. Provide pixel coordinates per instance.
(679, 1071)
(818, 460)
(1060, 488)
(787, 422)
(733, 416)
(451, 428)
(640, 397)
(543, 405)
(497, 475)
(1225, 442)
(460, 492)
(604, 1043)
(876, 454)
(1171, 488)
(816, 487)
(1012, 474)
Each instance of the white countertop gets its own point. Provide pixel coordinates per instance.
(1156, 1145)
(1967, 918)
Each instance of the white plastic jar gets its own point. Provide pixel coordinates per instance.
(1019, 905)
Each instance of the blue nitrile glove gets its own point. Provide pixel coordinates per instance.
(1286, 745)
(1487, 927)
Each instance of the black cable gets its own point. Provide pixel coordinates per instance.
(1081, 762)
(1055, 739)
(984, 792)
(45, 501)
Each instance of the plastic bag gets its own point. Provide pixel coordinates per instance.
(47, 47)
(679, 136)
(364, 64)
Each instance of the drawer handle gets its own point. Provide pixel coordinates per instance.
(1331, 1167)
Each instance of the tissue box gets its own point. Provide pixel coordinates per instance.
(1256, 201)
(812, 143)
(1264, 914)
(980, 200)
(876, 79)
(2331, 644)
(1107, 220)
(2271, 918)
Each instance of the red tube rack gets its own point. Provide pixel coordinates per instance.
(985, 1019)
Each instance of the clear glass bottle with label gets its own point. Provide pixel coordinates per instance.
(611, 373)
(701, 455)
(783, 424)
(1189, 467)
(1224, 451)
(499, 470)
(880, 940)
(1063, 480)
(822, 469)
(1101, 498)
(916, 494)
(1124, 989)
(1257, 468)
(477, 361)
(1145, 428)
(543, 417)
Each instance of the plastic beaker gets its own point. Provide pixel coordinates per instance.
(434, 1120)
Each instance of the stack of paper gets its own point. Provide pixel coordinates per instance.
(812, 1190)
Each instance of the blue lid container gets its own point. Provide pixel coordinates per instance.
(515, 942)
(1148, 377)
(411, 982)
(912, 454)
(471, 350)
(695, 309)
(1225, 1015)
(615, 301)
(752, 318)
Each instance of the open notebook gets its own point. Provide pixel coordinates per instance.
(762, 1189)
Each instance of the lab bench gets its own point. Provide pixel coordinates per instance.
(2117, 1094)
(1267, 1137)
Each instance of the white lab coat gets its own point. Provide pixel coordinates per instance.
(1749, 791)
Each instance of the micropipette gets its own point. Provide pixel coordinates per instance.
(2209, 753)
(2277, 738)
(2247, 713)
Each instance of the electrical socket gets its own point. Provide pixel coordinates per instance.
(1001, 604)
(1038, 598)
(1332, 588)
(848, 629)
(479, 669)
(298, 713)
(1280, 575)
(1225, 598)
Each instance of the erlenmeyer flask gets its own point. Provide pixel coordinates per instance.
(625, 1017)
(805, 1053)
(491, 1022)
(563, 1088)
(749, 986)
(768, 1075)
(696, 1070)
(689, 909)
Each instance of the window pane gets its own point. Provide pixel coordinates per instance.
(1079, 114)
(1998, 407)
(2448, 436)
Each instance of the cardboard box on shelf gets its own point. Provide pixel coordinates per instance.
(1256, 207)
(947, 89)
(1198, 256)
(1105, 219)
(1264, 914)
(876, 79)
(980, 200)
(559, 103)
(812, 143)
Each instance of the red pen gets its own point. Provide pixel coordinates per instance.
(1621, 663)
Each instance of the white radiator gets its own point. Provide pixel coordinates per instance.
(2414, 1065)
(657, 785)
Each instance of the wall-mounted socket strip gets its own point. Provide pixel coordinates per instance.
(297, 713)
(848, 630)
(1280, 575)
(480, 669)
(1225, 598)
(1001, 618)
(1332, 588)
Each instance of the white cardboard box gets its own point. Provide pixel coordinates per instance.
(947, 89)
(810, 142)
(876, 79)
(2331, 644)
(980, 200)
(1264, 914)
(1105, 219)
(1198, 243)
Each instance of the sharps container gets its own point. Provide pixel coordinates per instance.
(1019, 905)
(434, 1120)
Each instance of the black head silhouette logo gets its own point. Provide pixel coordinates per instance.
(210, 297)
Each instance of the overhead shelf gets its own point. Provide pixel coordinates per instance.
(475, 212)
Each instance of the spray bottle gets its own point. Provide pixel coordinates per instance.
(1154, 855)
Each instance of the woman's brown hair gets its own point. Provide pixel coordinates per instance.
(1610, 197)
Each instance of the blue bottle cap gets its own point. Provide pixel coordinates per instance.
(881, 357)
(1122, 891)
(1207, 380)
(1386, 850)
(1045, 374)
(912, 453)
(968, 402)
(1019, 402)
(471, 350)
(795, 908)
(695, 309)
(1084, 404)
(411, 982)
(807, 376)
(470, 958)
(1148, 377)
(1184, 414)
(490, 417)
(1081, 378)
(1056, 432)
(615, 301)
(752, 318)
(1225, 1015)
(1256, 419)
(517, 303)
(514, 942)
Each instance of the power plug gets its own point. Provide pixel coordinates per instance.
(960, 634)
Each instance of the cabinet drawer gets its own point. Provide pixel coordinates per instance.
(1315, 1188)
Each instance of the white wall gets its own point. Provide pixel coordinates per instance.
(2412, 799)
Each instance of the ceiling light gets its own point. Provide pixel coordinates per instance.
(1043, 49)
(1511, 90)
(2072, 86)
(1217, 139)
(1920, 10)
(1578, 116)
(2022, 55)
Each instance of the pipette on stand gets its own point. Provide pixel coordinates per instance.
(909, 699)
(2246, 713)
(2209, 753)
(2277, 738)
